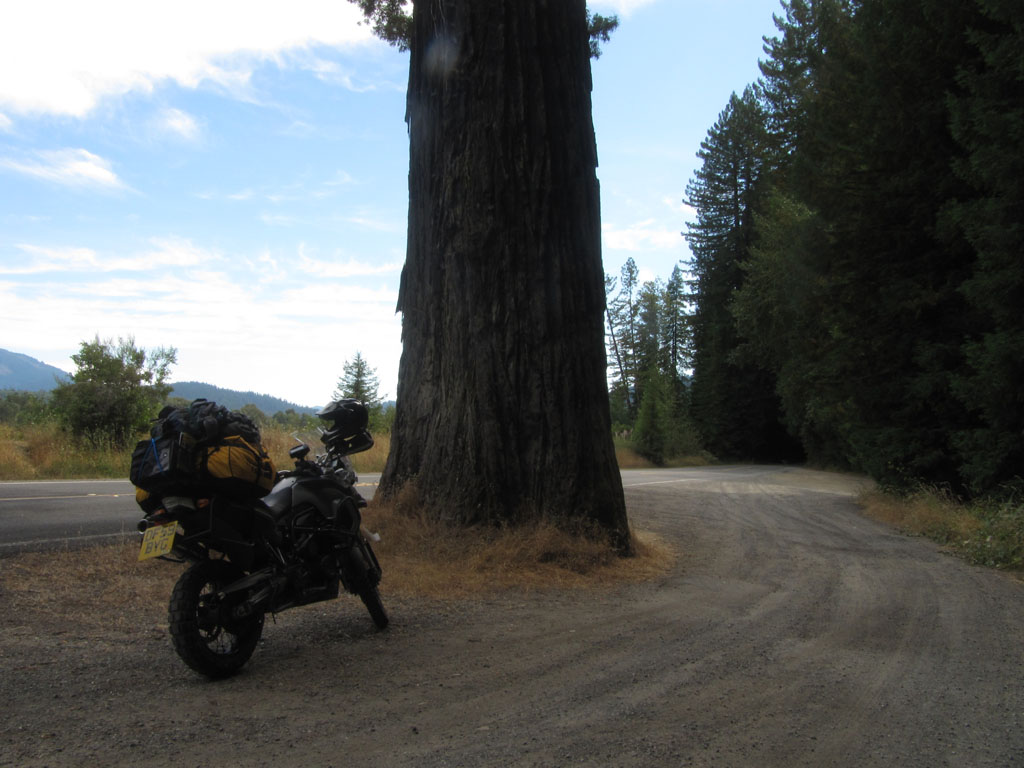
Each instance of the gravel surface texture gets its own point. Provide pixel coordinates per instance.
(792, 631)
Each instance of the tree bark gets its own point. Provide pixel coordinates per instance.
(502, 406)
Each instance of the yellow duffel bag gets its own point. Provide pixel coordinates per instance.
(237, 467)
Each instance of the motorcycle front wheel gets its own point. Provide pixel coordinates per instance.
(205, 636)
(371, 599)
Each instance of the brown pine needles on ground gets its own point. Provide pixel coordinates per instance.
(429, 558)
(104, 588)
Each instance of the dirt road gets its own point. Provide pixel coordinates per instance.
(792, 632)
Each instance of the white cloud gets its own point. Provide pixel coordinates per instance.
(622, 7)
(642, 236)
(332, 73)
(375, 224)
(286, 339)
(165, 253)
(297, 191)
(6, 125)
(39, 259)
(178, 123)
(70, 167)
(176, 252)
(278, 219)
(63, 56)
(341, 178)
(685, 211)
(350, 268)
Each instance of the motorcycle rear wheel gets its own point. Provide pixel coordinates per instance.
(371, 599)
(203, 637)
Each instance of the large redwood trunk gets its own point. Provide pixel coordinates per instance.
(502, 403)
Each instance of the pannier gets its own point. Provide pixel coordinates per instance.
(161, 464)
(202, 450)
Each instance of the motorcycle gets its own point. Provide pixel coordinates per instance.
(250, 557)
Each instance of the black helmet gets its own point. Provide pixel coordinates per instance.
(348, 416)
(347, 433)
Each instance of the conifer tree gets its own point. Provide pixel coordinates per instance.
(734, 406)
(359, 382)
(988, 122)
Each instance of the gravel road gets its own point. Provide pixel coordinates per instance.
(791, 632)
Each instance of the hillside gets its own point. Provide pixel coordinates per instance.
(21, 372)
(234, 399)
(26, 374)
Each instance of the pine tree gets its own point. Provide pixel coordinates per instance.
(733, 406)
(988, 121)
(359, 382)
(859, 294)
(675, 328)
(655, 422)
(622, 312)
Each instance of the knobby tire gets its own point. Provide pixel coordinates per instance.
(203, 638)
(371, 599)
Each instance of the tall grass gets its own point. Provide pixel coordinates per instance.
(988, 532)
(45, 452)
(628, 458)
(279, 441)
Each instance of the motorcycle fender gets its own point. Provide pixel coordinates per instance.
(359, 568)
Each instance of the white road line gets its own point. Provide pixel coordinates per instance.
(77, 496)
(664, 482)
(63, 539)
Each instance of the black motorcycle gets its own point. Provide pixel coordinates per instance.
(293, 547)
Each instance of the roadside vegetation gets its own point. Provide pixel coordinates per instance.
(65, 436)
(47, 452)
(987, 532)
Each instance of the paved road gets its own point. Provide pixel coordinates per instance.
(70, 513)
(36, 515)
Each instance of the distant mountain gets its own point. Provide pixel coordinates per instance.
(233, 399)
(18, 371)
(24, 373)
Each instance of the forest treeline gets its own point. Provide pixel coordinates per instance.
(857, 283)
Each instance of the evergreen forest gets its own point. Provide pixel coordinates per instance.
(856, 288)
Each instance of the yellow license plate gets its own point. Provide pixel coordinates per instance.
(158, 540)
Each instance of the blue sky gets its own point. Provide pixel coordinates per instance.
(230, 178)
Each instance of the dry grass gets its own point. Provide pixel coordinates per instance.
(926, 514)
(628, 458)
(101, 589)
(278, 442)
(422, 557)
(374, 459)
(44, 452)
(14, 463)
(986, 532)
(87, 591)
